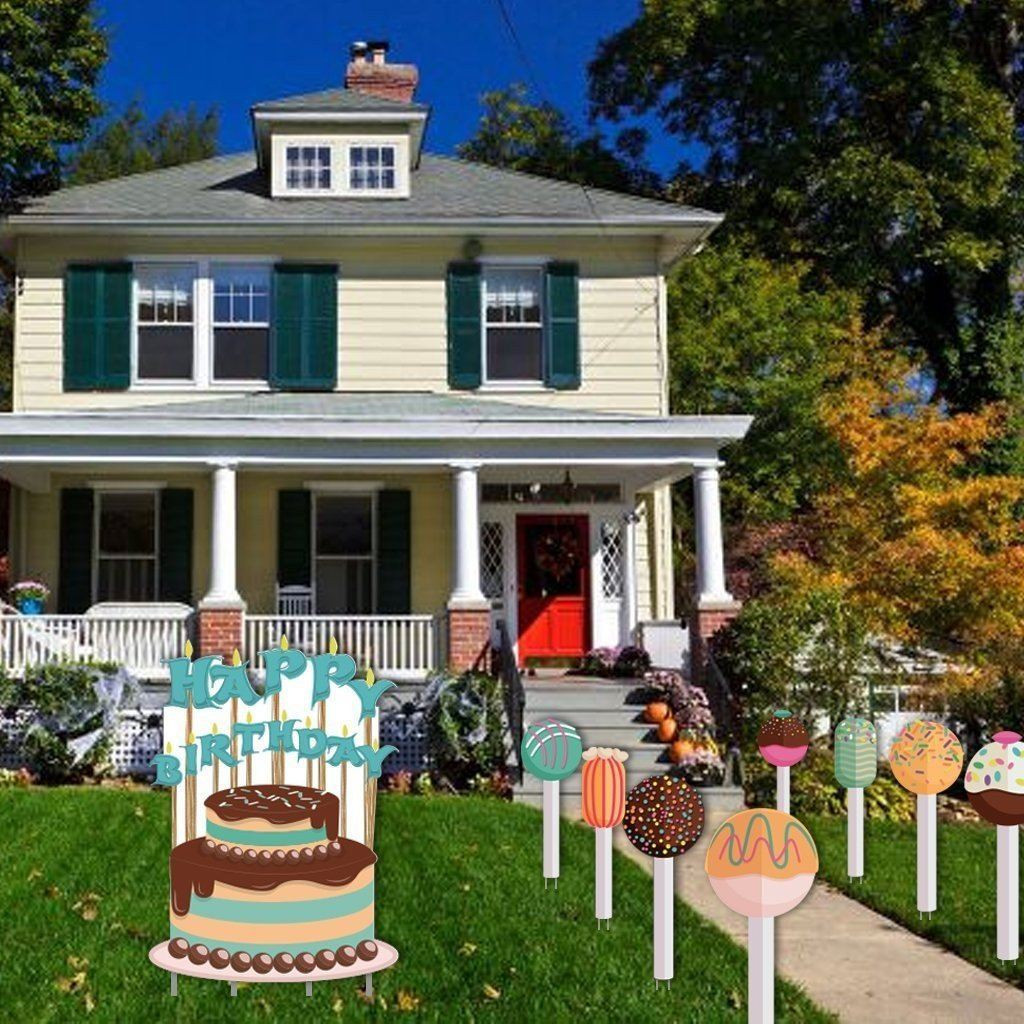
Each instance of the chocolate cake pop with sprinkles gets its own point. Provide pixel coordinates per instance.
(664, 816)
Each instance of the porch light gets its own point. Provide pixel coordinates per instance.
(568, 488)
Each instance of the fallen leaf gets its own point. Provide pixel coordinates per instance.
(139, 812)
(34, 874)
(464, 887)
(77, 963)
(53, 892)
(72, 984)
(491, 992)
(467, 949)
(90, 1003)
(338, 1005)
(407, 1001)
(361, 993)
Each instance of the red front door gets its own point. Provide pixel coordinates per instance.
(554, 586)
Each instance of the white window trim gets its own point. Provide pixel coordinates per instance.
(202, 353)
(375, 144)
(299, 190)
(96, 510)
(244, 383)
(527, 383)
(361, 492)
(339, 144)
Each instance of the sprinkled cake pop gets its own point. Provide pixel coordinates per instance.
(995, 786)
(856, 764)
(551, 750)
(782, 741)
(604, 804)
(664, 818)
(926, 758)
(761, 863)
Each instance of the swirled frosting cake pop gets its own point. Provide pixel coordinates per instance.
(856, 764)
(551, 750)
(782, 740)
(664, 818)
(604, 804)
(995, 786)
(926, 758)
(761, 863)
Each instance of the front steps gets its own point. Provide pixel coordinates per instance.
(607, 714)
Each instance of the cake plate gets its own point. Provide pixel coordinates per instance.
(386, 957)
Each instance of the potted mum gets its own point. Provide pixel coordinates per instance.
(29, 596)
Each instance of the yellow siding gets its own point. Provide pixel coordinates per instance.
(392, 332)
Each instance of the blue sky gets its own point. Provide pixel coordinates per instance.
(230, 54)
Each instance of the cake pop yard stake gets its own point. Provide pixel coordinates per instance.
(604, 804)
(856, 764)
(926, 759)
(551, 751)
(761, 863)
(995, 786)
(782, 741)
(664, 818)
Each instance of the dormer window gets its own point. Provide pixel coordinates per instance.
(371, 168)
(308, 168)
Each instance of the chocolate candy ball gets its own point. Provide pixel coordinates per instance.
(250, 857)
(220, 958)
(292, 856)
(207, 846)
(178, 948)
(284, 962)
(241, 961)
(278, 857)
(306, 855)
(320, 852)
(326, 959)
(235, 853)
(367, 949)
(220, 851)
(262, 963)
(198, 954)
(265, 857)
(305, 962)
(334, 849)
(345, 955)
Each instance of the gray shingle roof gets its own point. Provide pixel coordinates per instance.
(230, 189)
(341, 100)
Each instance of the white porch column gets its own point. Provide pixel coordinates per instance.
(223, 558)
(708, 522)
(629, 520)
(466, 535)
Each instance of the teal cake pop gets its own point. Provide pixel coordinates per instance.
(551, 750)
(856, 753)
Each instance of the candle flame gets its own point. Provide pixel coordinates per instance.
(213, 728)
(236, 658)
(369, 677)
(284, 716)
(188, 648)
(375, 744)
(191, 738)
(168, 746)
(333, 645)
(248, 716)
(284, 642)
(344, 730)
(308, 723)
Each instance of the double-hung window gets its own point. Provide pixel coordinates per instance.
(307, 168)
(344, 553)
(241, 323)
(514, 325)
(165, 317)
(371, 168)
(126, 546)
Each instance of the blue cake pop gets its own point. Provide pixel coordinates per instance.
(551, 749)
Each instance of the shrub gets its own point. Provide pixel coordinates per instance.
(629, 661)
(600, 661)
(632, 661)
(689, 704)
(465, 726)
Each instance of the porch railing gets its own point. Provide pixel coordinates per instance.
(514, 696)
(394, 646)
(140, 644)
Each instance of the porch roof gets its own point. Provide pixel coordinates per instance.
(361, 430)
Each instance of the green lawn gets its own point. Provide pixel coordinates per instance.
(966, 919)
(83, 892)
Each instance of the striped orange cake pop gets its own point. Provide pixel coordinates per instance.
(604, 786)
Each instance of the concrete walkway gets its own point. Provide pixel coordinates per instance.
(850, 960)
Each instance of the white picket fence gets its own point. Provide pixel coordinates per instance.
(398, 647)
(140, 644)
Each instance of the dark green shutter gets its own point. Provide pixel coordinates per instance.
(76, 526)
(293, 539)
(464, 327)
(393, 552)
(562, 365)
(304, 352)
(176, 544)
(97, 327)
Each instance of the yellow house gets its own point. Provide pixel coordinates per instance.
(340, 386)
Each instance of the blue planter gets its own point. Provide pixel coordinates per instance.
(31, 606)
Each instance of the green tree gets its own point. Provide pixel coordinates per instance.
(879, 142)
(130, 143)
(539, 139)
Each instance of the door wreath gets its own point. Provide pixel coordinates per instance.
(558, 552)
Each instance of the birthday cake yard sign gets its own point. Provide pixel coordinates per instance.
(273, 812)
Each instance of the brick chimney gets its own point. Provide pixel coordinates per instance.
(369, 72)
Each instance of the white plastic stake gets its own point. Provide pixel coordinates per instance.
(1008, 891)
(664, 917)
(603, 874)
(855, 832)
(782, 789)
(927, 888)
(760, 970)
(551, 819)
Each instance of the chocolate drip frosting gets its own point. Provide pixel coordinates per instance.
(280, 805)
(195, 870)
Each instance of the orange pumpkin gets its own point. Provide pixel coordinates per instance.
(657, 711)
(679, 750)
(667, 730)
